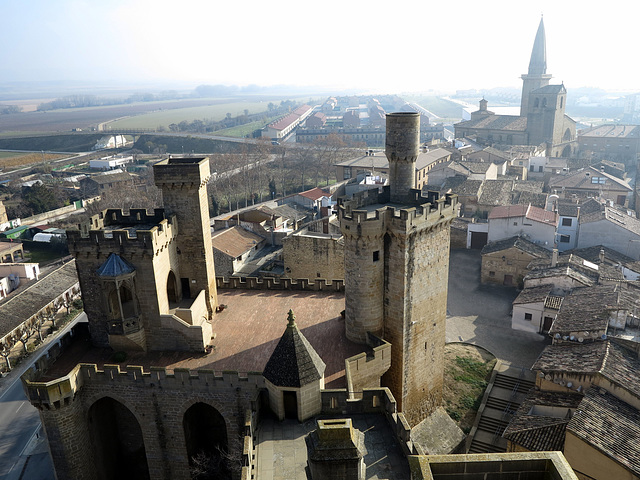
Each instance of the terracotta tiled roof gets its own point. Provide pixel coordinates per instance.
(235, 241)
(314, 194)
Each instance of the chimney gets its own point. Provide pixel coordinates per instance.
(601, 256)
(554, 257)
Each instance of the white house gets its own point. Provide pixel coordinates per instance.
(614, 228)
(535, 309)
(110, 163)
(533, 223)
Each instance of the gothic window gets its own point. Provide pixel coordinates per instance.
(561, 99)
(536, 104)
(544, 103)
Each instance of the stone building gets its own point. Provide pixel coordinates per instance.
(196, 368)
(395, 260)
(542, 118)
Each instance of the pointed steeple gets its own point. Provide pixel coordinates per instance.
(294, 362)
(538, 63)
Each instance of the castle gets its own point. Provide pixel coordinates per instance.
(196, 364)
(542, 118)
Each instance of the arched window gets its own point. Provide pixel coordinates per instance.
(561, 101)
(536, 104)
(205, 434)
(544, 103)
(117, 441)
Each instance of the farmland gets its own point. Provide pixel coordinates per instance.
(10, 160)
(172, 111)
(164, 117)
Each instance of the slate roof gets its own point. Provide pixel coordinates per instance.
(533, 294)
(550, 89)
(615, 216)
(538, 200)
(609, 425)
(518, 242)
(560, 270)
(612, 131)
(114, 266)
(588, 309)
(538, 432)
(496, 122)
(567, 208)
(427, 158)
(614, 362)
(111, 178)
(294, 362)
(592, 254)
(27, 302)
(476, 167)
(582, 180)
(462, 186)
(235, 241)
(496, 192)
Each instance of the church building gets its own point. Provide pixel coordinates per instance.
(542, 118)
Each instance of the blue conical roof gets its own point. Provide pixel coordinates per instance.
(115, 266)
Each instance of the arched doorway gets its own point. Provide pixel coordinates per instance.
(205, 434)
(566, 153)
(172, 288)
(117, 442)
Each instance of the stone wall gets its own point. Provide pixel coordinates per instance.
(365, 369)
(510, 262)
(313, 256)
(158, 399)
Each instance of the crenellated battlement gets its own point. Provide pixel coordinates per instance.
(61, 391)
(374, 222)
(269, 283)
(133, 232)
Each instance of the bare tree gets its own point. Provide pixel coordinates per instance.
(5, 351)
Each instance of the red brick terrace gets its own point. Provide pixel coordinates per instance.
(247, 331)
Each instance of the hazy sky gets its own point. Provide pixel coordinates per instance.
(391, 46)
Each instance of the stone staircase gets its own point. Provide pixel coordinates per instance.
(506, 390)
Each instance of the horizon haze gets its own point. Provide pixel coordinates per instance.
(410, 48)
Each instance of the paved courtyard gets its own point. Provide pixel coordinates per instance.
(481, 314)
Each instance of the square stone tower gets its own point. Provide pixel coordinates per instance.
(396, 272)
(183, 182)
(149, 278)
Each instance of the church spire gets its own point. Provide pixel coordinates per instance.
(538, 63)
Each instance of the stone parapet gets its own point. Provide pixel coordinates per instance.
(365, 369)
(151, 241)
(269, 283)
(59, 392)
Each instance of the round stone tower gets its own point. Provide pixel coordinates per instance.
(402, 150)
(364, 278)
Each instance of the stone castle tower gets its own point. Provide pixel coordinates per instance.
(151, 281)
(396, 271)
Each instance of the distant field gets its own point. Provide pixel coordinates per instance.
(167, 117)
(242, 131)
(67, 119)
(9, 160)
(439, 106)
